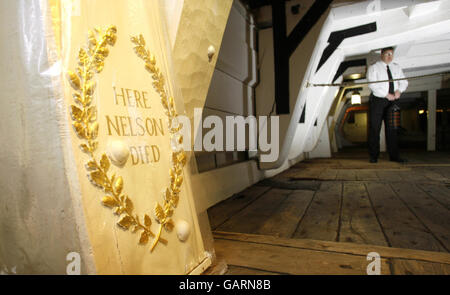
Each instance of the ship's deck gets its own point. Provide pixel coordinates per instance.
(323, 216)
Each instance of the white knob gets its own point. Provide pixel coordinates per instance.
(118, 152)
(211, 52)
(183, 230)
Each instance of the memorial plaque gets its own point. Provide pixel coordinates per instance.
(121, 114)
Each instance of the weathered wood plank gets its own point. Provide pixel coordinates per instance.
(251, 218)
(431, 174)
(444, 171)
(415, 175)
(219, 213)
(431, 213)
(365, 174)
(235, 270)
(389, 175)
(308, 173)
(440, 193)
(358, 221)
(412, 267)
(285, 219)
(321, 220)
(401, 227)
(294, 261)
(328, 174)
(346, 174)
(340, 247)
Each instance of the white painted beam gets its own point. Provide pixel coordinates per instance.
(431, 134)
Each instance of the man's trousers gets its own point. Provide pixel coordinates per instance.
(379, 110)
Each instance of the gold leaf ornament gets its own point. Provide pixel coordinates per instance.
(91, 61)
(171, 195)
(159, 213)
(110, 202)
(104, 163)
(74, 80)
(126, 221)
(84, 116)
(118, 185)
(98, 179)
(77, 114)
(144, 238)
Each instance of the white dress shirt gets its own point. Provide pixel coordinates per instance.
(378, 72)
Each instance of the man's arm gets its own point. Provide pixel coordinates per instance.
(372, 76)
(402, 84)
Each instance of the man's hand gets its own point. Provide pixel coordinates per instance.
(397, 94)
(390, 97)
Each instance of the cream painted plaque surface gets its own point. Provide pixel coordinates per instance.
(133, 132)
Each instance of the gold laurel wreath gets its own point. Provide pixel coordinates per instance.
(84, 116)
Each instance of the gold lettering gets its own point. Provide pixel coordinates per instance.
(110, 123)
(116, 95)
(130, 101)
(160, 127)
(147, 153)
(134, 155)
(137, 96)
(149, 131)
(155, 158)
(133, 98)
(141, 154)
(123, 125)
(140, 126)
(131, 127)
(145, 99)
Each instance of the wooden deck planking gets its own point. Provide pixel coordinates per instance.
(321, 220)
(365, 174)
(432, 174)
(225, 209)
(433, 215)
(274, 258)
(307, 173)
(339, 247)
(234, 270)
(440, 193)
(409, 205)
(412, 267)
(358, 220)
(286, 217)
(389, 175)
(415, 175)
(328, 174)
(251, 218)
(400, 225)
(346, 174)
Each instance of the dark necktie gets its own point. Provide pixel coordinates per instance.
(391, 84)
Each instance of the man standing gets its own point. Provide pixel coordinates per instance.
(384, 96)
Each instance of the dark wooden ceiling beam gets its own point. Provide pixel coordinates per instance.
(305, 25)
(284, 46)
(281, 58)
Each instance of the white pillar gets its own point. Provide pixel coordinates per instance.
(323, 147)
(431, 123)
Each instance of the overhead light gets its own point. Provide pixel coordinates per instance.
(421, 112)
(355, 76)
(356, 97)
